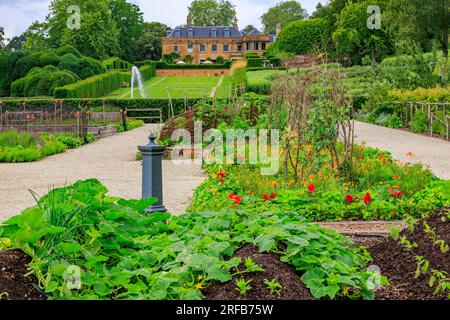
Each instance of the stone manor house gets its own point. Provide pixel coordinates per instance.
(209, 43)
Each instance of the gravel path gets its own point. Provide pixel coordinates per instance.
(407, 147)
(110, 160)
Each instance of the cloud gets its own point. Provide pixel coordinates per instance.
(16, 16)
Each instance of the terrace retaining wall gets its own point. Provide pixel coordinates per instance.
(192, 72)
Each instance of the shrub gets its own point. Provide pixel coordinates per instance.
(15, 139)
(419, 122)
(52, 147)
(255, 62)
(19, 154)
(42, 82)
(71, 141)
(300, 36)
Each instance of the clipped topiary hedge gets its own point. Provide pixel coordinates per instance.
(255, 62)
(116, 64)
(102, 84)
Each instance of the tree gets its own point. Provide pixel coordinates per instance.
(2, 38)
(212, 13)
(353, 37)
(149, 45)
(300, 37)
(130, 23)
(97, 35)
(283, 13)
(249, 28)
(423, 22)
(17, 43)
(36, 37)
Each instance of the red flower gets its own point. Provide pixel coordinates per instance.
(272, 196)
(266, 198)
(237, 199)
(311, 188)
(220, 175)
(361, 156)
(349, 198)
(367, 198)
(397, 194)
(222, 181)
(231, 196)
(396, 177)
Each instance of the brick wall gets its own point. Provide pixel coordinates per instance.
(192, 72)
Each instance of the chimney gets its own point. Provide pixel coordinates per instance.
(278, 30)
(189, 21)
(236, 23)
(266, 29)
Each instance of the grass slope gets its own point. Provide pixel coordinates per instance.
(195, 87)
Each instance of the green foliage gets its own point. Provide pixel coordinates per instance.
(115, 64)
(274, 287)
(149, 44)
(71, 141)
(283, 13)
(129, 20)
(212, 13)
(101, 85)
(18, 147)
(122, 253)
(243, 286)
(42, 82)
(300, 37)
(98, 35)
(255, 62)
(419, 122)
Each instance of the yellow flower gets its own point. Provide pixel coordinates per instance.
(198, 286)
(200, 278)
(345, 291)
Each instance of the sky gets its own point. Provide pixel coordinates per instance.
(17, 15)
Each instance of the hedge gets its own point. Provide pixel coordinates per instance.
(102, 84)
(262, 68)
(251, 55)
(165, 65)
(97, 104)
(116, 64)
(437, 94)
(255, 62)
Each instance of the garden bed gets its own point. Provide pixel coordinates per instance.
(398, 265)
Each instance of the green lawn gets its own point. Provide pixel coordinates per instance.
(193, 87)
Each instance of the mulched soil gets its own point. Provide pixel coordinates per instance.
(395, 263)
(287, 276)
(399, 265)
(14, 284)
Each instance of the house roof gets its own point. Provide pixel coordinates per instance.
(205, 32)
(255, 32)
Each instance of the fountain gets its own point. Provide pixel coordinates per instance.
(136, 75)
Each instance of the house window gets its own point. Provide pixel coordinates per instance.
(213, 33)
(190, 47)
(227, 33)
(190, 33)
(202, 48)
(226, 48)
(177, 33)
(248, 46)
(176, 49)
(256, 46)
(263, 46)
(214, 48)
